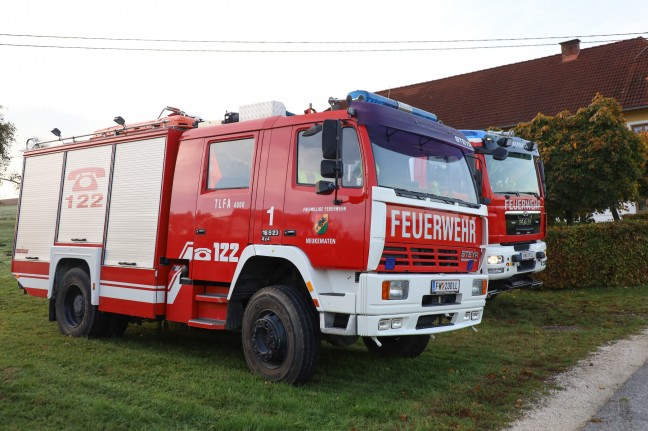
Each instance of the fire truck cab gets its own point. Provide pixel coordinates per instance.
(513, 185)
(288, 228)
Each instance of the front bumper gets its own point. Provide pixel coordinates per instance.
(515, 262)
(422, 312)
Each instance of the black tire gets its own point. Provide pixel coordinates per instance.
(340, 340)
(408, 346)
(120, 323)
(281, 339)
(75, 314)
(113, 325)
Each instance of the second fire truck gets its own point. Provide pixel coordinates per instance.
(513, 186)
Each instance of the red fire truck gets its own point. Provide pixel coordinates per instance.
(351, 222)
(513, 186)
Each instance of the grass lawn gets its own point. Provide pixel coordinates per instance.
(186, 379)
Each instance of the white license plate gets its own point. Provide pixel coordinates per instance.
(445, 286)
(527, 255)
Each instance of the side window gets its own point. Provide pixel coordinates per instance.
(351, 159)
(309, 157)
(230, 164)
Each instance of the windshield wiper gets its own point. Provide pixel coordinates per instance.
(422, 195)
(532, 193)
(410, 193)
(519, 193)
(454, 200)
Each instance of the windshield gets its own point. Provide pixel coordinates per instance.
(423, 166)
(515, 174)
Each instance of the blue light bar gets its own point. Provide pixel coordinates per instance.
(511, 140)
(365, 96)
(474, 133)
(487, 139)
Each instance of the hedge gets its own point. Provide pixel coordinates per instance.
(597, 254)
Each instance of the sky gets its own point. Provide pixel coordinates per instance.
(82, 90)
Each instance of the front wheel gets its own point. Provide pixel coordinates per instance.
(280, 338)
(407, 346)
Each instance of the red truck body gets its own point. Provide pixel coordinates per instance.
(224, 227)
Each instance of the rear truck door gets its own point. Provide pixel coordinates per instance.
(223, 206)
(333, 236)
(37, 216)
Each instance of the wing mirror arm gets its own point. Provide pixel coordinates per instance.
(331, 166)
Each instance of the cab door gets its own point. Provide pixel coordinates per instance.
(271, 192)
(332, 235)
(223, 207)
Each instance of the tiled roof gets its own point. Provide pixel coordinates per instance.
(506, 95)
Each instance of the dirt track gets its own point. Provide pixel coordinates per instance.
(587, 387)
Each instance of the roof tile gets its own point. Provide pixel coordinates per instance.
(506, 95)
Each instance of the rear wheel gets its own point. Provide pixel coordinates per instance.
(408, 346)
(280, 337)
(120, 323)
(75, 314)
(113, 325)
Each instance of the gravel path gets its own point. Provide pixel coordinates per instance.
(587, 387)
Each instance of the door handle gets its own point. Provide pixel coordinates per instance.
(200, 231)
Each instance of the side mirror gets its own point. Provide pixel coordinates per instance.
(331, 166)
(331, 139)
(324, 187)
(500, 153)
(331, 169)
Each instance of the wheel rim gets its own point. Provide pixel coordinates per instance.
(269, 339)
(74, 306)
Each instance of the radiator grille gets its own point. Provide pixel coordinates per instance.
(417, 258)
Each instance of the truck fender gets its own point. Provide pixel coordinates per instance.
(91, 256)
(315, 280)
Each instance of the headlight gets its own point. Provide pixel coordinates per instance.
(479, 287)
(494, 260)
(395, 289)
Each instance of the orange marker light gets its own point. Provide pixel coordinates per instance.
(385, 290)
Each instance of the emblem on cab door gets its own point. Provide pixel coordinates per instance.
(321, 226)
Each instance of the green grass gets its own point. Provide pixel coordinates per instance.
(182, 379)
